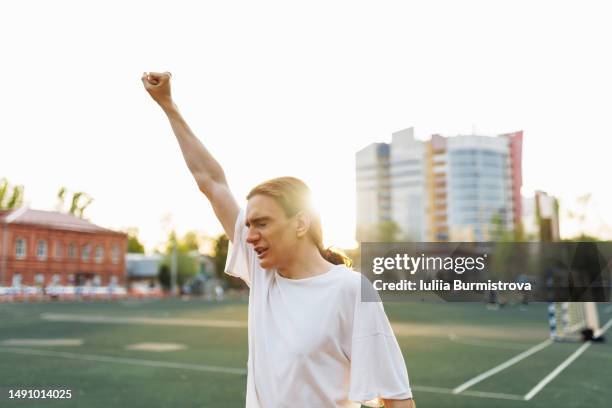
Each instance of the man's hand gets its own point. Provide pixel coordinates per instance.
(409, 403)
(158, 86)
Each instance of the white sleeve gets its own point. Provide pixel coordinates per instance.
(378, 370)
(239, 254)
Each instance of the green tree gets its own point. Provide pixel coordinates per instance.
(387, 231)
(499, 231)
(220, 255)
(187, 261)
(14, 200)
(78, 202)
(134, 244)
(583, 238)
(164, 275)
(191, 241)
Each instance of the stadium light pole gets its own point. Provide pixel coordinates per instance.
(173, 270)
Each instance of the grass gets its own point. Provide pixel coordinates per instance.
(444, 346)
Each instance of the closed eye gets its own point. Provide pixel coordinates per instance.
(259, 222)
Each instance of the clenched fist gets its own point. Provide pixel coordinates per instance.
(158, 86)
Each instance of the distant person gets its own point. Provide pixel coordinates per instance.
(312, 341)
(219, 292)
(493, 300)
(525, 294)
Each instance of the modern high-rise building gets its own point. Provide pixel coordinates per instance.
(373, 188)
(408, 185)
(461, 188)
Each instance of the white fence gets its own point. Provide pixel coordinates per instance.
(57, 292)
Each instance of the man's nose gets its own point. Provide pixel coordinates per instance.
(252, 237)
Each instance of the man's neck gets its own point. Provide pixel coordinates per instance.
(307, 263)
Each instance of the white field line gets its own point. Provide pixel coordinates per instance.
(217, 369)
(123, 360)
(42, 342)
(504, 345)
(606, 326)
(157, 321)
(556, 371)
(502, 366)
(480, 394)
(156, 347)
(563, 365)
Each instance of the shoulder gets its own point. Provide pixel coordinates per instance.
(356, 286)
(347, 275)
(348, 281)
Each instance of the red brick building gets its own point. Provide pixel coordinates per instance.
(43, 247)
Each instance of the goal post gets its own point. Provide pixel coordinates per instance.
(569, 321)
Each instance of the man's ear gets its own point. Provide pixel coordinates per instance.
(303, 224)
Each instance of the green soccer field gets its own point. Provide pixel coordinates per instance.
(450, 351)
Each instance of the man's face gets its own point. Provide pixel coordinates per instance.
(271, 233)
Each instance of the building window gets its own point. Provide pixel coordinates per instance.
(115, 254)
(20, 248)
(16, 280)
(72, 251)
(99, 253)
(39, 279)
(41, 250)
(58, 250)
(86, 252)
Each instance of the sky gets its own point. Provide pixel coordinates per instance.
(277, 88)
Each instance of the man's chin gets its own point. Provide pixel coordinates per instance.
(265, 264)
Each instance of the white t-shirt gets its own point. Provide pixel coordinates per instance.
(312, 342)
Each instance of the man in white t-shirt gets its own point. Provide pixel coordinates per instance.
(312, 341)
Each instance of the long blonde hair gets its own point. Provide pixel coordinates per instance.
(293, 195)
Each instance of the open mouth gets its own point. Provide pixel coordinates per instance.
(261, 252)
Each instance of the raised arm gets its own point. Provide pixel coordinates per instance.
(206, 171)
